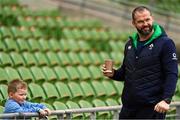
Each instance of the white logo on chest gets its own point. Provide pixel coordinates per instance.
(151, 46)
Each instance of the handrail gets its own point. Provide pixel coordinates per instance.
(69, 112)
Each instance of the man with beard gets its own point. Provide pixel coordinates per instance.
(149, 69)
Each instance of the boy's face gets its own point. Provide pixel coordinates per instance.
(19, 96)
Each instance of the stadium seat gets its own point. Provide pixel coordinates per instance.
(61, 73)
(21, 32)
(4, 79)
(73, 73)
(53, 59)
(110, 89)
(99, 90)
(50, 92)
(77, 93)
(22, 45)
(44, 45)
(64, 91)
(29, 59)
(96, 60)
(50, 74)
(10, 44)
(74, 58)
(59, 105)
(41, 59)
(37, 93)
(117, 57)
(118, 86)
(84, 72)
(2, 46)
(17, 59)
(84, 46)
(4, 93)
(38, 75)
(64, 59)
(88, 91)
(100, 103)
(34, 45)
(54, 45)
(25, 74)
(1, 109)
(85, 104)
(74, 105)
(96, 72)
(12, 73)
(36, 32)
(5, 60)
(86, 60)
(5, 31)
(104, 56)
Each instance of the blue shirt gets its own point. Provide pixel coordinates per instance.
(11, 106)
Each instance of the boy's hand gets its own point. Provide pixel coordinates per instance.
(42, 113)
(48, 111)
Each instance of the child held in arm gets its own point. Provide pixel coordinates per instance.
(16, 103)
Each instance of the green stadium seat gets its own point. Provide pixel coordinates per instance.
(110, 89)
(114, 46)
(44, 45)
(1, 109)
(73, 73)
(1, 99)
(99, 89)
(41, 59)
(51, 92)
(17, 59)
(66, 47)
(96, 72)
(84, 72)
(74, 58)
(84, 46)
(100, 103)
(22, 45)
(119, 87)
(117, 57)
(34, 45)
(54, 45)
(61, 73)
(38, 75)
(41, 22)
(104, 56)
(64, 59)
(96, 60)
(51, 22)
(77, 93)
(53, 59)
(10, 44)
(74, 105)
(21, 32)
(121, 45)
(50, 74)
(63, 90)
(37, 93)
(85, 104)
(29, 59)
(25, 74)
(2, 46)
(36, 32)
(27, 21)
(59, 105)
(5, 31)
(89, 93)
(4, 79)
(86, 60)
(5, 59)
(4, 93)
(12, 73)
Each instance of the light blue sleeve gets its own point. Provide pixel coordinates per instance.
(13, 107)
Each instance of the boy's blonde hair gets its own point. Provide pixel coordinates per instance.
(16, 84)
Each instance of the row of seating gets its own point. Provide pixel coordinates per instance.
(28, 59)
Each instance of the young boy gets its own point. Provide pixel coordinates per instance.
(17, 92)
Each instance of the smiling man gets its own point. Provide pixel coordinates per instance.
(149, 69)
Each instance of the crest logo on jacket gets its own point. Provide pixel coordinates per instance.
(174, 56)
(129, 47)
(151, 46)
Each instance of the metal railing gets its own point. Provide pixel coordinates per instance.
(69, 113)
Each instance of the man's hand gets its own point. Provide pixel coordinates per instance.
(106, 72)
(162, 107)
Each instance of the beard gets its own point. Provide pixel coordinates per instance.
(145, 32)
